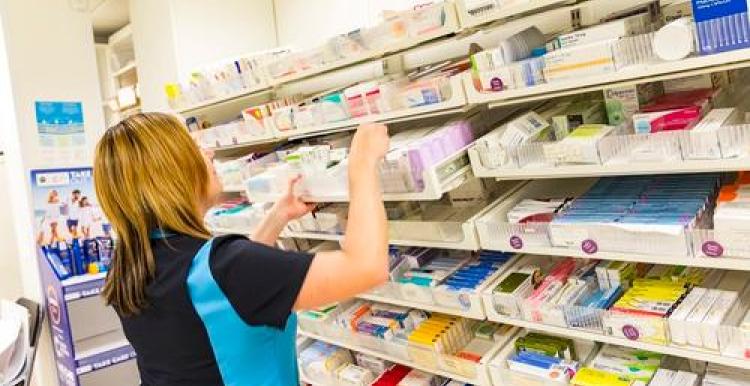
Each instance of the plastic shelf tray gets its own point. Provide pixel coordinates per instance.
(453, 104)
(658, 153)
(438, 180)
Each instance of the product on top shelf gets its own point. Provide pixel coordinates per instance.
(675, 41)
(713, 21)
(235, 76)
(392, 32)
(616, 29)
(511, 65)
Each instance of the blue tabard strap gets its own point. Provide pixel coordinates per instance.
(246, 355)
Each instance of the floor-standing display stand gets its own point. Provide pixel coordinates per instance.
(90, 348)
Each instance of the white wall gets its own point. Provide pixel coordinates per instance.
(10, 273)
(46, 53)
(154, 51)
(174, 37)
(205, 32)
(304, 23)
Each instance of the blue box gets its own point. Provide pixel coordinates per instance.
(722, 25)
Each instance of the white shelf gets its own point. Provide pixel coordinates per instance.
(519, 8)
(730, 263)
(692, 353)
(470, 241)
(261, 141)
(438, 180)
(124, 70)
(625, 77)
(259, 90)
(233, 189)
(451, 26)
(320, 236)
(347, 345)
(470, 244)
(124, 35)
(427, 307)
(628, 169)
(454, 105)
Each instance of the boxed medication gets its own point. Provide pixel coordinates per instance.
(624, 102)
(703, 140)
(722, 25)
(580, 61)
(580, 147)
(616, 29)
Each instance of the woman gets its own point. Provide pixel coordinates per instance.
(204, 311)
(85, 217)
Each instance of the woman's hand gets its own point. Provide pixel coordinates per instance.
(290, 206)
(369, 146)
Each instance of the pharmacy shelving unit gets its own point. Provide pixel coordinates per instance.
(688, 353)
(450, 26)
(481, 230)
(491, 13)
(480, 379)
(260, 90)
(454, 104)
(629, 76)
(444, 177)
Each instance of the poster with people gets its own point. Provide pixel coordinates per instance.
(65, 205)
(69, 224)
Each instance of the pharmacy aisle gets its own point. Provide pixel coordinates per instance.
(565, 201)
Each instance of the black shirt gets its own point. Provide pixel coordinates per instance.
(171, 342)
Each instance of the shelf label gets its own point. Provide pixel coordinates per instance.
(630, 332)
(589, 246)
(712, 249)
(465, 301)
(516, 242)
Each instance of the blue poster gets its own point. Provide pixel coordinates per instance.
(60, 124)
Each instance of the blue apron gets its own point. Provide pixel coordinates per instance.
(245, 355)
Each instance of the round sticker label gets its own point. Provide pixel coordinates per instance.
(516, 242)
(630, 332)
(589, 246)
(496, 84)
(712, 249)
(465, 302)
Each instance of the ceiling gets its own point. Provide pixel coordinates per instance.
(108, 16)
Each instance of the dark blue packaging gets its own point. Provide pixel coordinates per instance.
(53, 257)
(65, 256)
(79, 259)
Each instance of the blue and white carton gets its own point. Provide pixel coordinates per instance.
(722, 25)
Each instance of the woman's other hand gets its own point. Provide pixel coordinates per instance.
(290, 206)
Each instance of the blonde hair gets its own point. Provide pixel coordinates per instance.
(149, 174)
